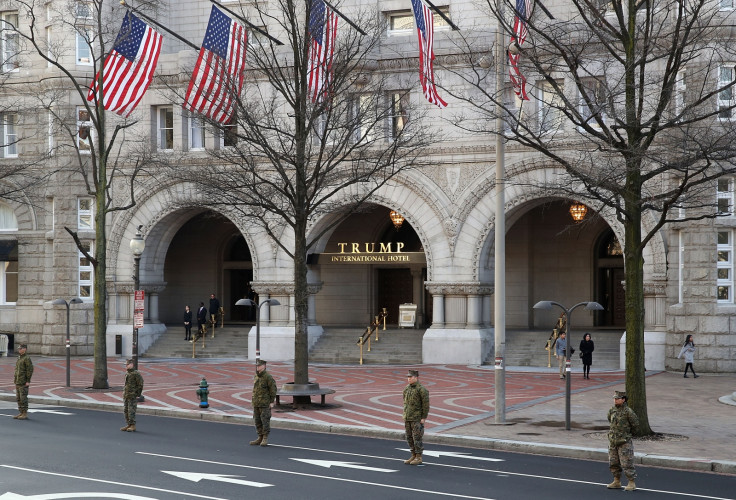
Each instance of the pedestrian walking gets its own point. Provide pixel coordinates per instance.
(623, 422)
(586, 354)
(131, 392)
(688, 350)
(264, 394)
(22, 380)
(560, 347)
(187, 323)
(416, 409)
(201, 318)
(214, 308)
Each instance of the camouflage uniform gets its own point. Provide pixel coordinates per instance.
(620, 448)
(416, 408)
(132, 391)
(23, 374)
(264, 393)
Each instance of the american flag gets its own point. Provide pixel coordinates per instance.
(128, 69)
(425, 29)
(523, 9)
(219, 72)
(322, 31)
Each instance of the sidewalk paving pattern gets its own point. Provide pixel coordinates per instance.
(368, 402)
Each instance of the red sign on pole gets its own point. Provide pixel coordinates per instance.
(139, 299)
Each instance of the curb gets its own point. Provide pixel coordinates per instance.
(556, 450)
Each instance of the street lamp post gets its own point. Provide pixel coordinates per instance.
(547, 305)
(137, 245)
(58, 302)
(249, 302)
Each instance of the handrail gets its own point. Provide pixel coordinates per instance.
(559, 329)
(375, 324)
(366, 337)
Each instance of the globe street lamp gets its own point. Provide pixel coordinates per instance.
(249, 302)
(58, 302)
(547, 305)
(137, 245)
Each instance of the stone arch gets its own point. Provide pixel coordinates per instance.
(419, 209)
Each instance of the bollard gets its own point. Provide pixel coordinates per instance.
(202, 392)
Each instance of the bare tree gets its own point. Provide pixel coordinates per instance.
(286, 161)
(93, 151)
(633, 100)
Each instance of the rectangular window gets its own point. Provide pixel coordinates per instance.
(8, 41)
(229, 133)
(84, 213)
(726, 76)
(364, 113)
(402, 22)
(84, 131)
(49, 52)
(8, 124)
(727, 4)
(51, 142)
(399, 112)
(514, 110)
(550, 104)
(86, 274)
(8, 272)
(680, 266)
(595, 108)
(724, 199)
(724, 263)
(196, 133)
(165, 126)
(84, 46)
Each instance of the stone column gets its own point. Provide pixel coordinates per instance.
(438, 311)
(314, 289)
(475, 311)
(418, 296)
(153, 308)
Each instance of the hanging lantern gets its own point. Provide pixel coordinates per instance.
(578, 211)
(397, 219)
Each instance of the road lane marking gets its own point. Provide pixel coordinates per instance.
(105, 481)
(317, 476)
(454, 454)
(58, 496)
(223, 478)
(336, 463)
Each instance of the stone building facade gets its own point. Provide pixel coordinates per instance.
(444, 265)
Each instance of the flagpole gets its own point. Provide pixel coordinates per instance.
(250, 25)
(442, 15)
(351, 23)
(167, 30)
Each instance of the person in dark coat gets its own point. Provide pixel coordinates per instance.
(187, 323)
(214, 307)
(586, 354)
(201, 318)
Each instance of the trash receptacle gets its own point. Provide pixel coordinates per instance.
(118, 345)
(3, 345)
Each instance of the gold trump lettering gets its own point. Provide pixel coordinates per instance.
(354, 248)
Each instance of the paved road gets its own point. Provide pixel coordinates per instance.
(75, 453)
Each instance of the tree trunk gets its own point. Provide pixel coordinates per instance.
(634, 262)
(301, 295)
(100, 268)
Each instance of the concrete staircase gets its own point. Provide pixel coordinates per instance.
(526, 348)
(395, 346)
(229, 342)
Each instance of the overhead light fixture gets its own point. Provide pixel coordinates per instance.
(578, 211)
(397, 219)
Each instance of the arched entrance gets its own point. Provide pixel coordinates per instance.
(206, 255)
(368, 264)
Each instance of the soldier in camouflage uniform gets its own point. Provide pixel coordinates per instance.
(264, 394)
(132, 391)
(416, 409)
(623, 421)
(22, 379)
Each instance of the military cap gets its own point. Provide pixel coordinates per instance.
(22, 346)
(619, 394)
(260, 362)
(413, 373)
(129, 361)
